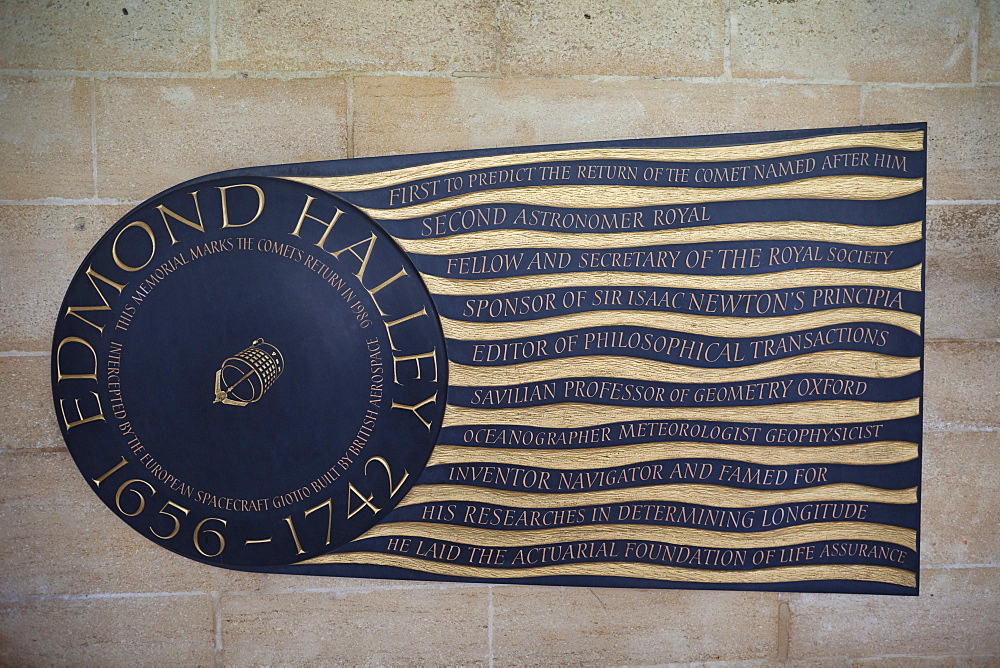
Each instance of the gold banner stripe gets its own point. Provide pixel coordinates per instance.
(708, 325)
(490, 240)
(647, 571)
(843, 362)
(623, 197)
(590, 415)
(902, 141)
(904, 279)
(864, 454)
(792, 535)
(704, 495)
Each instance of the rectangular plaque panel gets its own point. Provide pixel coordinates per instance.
(691, 362)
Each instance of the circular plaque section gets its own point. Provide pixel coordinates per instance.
(249, 371)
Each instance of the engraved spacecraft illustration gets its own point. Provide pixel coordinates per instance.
(246, 376)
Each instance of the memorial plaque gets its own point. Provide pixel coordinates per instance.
(687, 362)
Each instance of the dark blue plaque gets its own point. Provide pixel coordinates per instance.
(250, 372)
(691, 362)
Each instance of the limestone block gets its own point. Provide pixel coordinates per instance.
(26, 386)
(45, 138)
(960, 384)
(963, 272)
(989, 41)
(415, 114)
(42, 247)
(132, 631)
(954, 616)
(626, 38)
(961, 511)
(910, 41)
(406, 624)
(153, 134)
(604, 626)
(362, 36)
(963, 155)
(126, 37)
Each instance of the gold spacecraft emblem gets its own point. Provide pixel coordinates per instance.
(247, 375)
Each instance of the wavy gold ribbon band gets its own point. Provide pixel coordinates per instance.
(871, 454)
(886, 574)
(590, 415)
(708, 325)
(843, 362)
(626, 197)
(901, 141)
(791, 535)
(705, 495)
(903, 279)
(519, 237)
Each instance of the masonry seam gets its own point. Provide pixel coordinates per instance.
(352, 590)
(489, 625)
(60, 201)
(727, 49)
(89, 597)
(350, 116)
(340, 590)
(784, 628)
(952, 428)
(217, 619)
(944, 659)
(93, 134)
(974, 39)
(956, 202)
(959, 340)
(498, 41)
(312, 74)
(213, 44)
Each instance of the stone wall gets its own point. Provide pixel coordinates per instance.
(103, 105)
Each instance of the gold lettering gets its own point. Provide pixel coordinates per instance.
(60, 376)
(177, 520)
(328, 504)
(402, 272)
(390, 325)
(364, 260)
(74, 310)
(83, 420)
(416, 360)
(416, 407)
(388, 473)
(351, 489)
(200, 225)
(98, 481)
(142, 499)
(306, 214)
(295, 535)
(225, 207)
(197, 542)
(152, 250)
